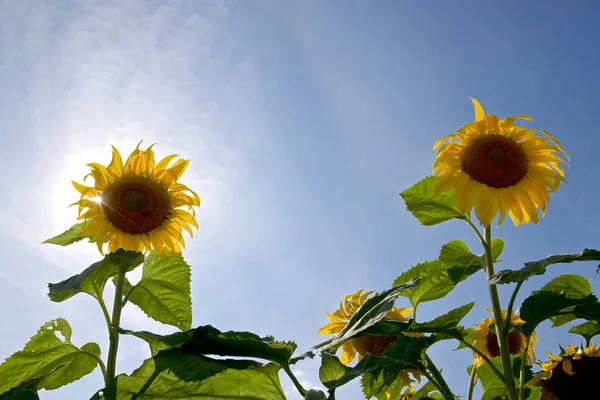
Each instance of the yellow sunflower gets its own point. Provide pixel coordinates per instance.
(571, 375)
(137, 205)
(495, 166)
(486, 340)
(362, 345)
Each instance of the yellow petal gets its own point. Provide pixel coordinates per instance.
(479, 113)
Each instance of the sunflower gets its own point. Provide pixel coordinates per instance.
(496, 167)
(137, 205)
(571, 375)
(486, 340)
(362, 345)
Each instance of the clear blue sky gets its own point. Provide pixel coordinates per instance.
(303, 121)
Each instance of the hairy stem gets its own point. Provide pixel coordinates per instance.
(511, 304)
(299, 387)
(472, 381)
(511, 387)
(435, 373)
(113, 343)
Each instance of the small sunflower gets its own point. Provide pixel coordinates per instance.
(137, 205)
(571, 375)
(362, 345)
(495, 166)
(486, 340)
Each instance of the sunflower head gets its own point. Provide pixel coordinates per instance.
(138, 205)
(362, 345)
(573, 374)
(495, 166)
(486, 340)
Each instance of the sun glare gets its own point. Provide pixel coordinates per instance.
(96, 199)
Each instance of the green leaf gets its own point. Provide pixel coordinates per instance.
(573, 286)
(331, 370)
(461, 262)
(497, 248)
(544, 305)
(93, 279)
(539, 267)
(493, 387)
(588, 330)
(447, 323)
(173, 374)
(379, 373)
(47, 358)
(368, 314)
(70, 236)
(434, 284)
(25, 391)
(430, 208)
(163, 292)
(427, 390)
(209, 340)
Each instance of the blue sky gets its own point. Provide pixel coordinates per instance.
(303, 121)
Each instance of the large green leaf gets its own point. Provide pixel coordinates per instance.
(93, 279)
(173, 374)
(493, 387)
(47, 358)
(405, 353)
(163, 293)
(209, 340)
(460, 261)
(25, 391)
(434, 284)
(428, 390)
(70, 236)
(331, 370)
(543, 305)
(430, 208)
(368, 314)
(574, 287)
(588, 330)
(539, 267)
(446, 324)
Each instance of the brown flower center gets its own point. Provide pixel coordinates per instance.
(494, 160)
(375, 345)
(583, 384)
(136, 205)
(515, 343)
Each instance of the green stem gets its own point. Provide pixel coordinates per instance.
(498, 320)
(113, 343)
(443, 386)
(98, 360)
(472, 381)
(485, 358)
(104, 312)
(299, 387)
(522, 371)
(437, 385)
(477, 232)
(126, 297)
(511, 304)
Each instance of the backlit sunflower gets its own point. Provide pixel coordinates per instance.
(495, 166)
(362, 345)
(571, 375)
(486, 340)
(137, 205)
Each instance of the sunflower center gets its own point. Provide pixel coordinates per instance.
(136, 205)
(375, 345)
(495, 160)
(583, 384)
(515, 343)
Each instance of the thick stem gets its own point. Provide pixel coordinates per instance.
(437, 385)
(443, 386)
(522, 371)
(511, 387)
(299, 387)
(472, 381)
(113, 343)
